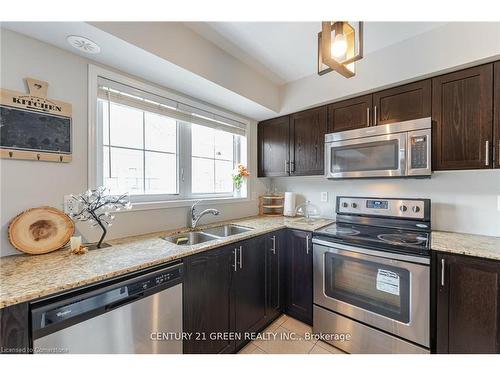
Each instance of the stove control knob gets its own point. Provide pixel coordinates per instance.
(415, 209)
(345, 205)
(403, 208)
(354, 205)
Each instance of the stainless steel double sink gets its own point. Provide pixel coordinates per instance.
(208, 234)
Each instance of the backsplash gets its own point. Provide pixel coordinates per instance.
(462, 201)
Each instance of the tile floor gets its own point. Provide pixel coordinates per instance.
(279, 341)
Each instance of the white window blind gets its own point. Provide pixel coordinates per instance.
(160, 149)
(126, 95)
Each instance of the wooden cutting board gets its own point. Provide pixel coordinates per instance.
(40, 230)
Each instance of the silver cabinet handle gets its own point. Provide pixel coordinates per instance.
(292, 166)
(241, 258)
(286, 166)
(367, 116)
(273, 238)
(307, 244)
(235, 259)
(375, 120)
(442, 272)
(487, 153)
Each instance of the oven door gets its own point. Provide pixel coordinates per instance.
(386, 293)
(377, 156)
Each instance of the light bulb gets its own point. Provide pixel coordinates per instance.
(339, 46)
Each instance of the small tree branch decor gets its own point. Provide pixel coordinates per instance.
(94, 207)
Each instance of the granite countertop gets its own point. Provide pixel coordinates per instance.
(466, 244)
(27, 277)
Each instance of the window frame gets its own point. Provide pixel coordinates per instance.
(152, 201)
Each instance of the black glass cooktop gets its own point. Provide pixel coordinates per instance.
(382, 238)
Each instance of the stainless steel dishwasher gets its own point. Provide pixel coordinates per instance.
(142, 314)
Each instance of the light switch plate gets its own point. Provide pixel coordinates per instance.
(324, 196)
(498, 202)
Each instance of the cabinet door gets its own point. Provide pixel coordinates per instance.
(273, 147)
(15, 328)
(299, 271)
(402, 103)
(207, 297)
(275, 271)
(496, 114)
(350, 114)
(250, 286)
(468, 305)
(307, 142)
(462, 119)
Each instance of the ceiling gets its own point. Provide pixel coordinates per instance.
(133, 59)
(285, 51)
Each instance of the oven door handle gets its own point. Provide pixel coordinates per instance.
(349, 250)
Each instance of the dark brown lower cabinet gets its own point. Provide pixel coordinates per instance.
(14, 329)
(299, 275)
(249, 287)
(234, 290)
(468, 305)
(207, 301)
(275, 246)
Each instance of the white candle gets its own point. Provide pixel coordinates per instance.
(76, 242)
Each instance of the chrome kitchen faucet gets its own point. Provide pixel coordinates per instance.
(196, 217)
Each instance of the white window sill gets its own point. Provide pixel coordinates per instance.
(142, 206)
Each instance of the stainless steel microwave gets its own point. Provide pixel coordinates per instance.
(400, 149)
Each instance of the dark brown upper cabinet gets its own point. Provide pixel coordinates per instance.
(307, 142)
(496, 114)
(402, 103)
(462, 119)
(350, 114)
(468, 305)
(464, 106)
(274, 147)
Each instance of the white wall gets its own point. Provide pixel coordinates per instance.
(454, 45)
(462, 201)
(26, 184)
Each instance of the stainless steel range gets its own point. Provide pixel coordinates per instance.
(372, 276)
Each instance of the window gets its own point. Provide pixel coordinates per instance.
(139, 150)
(157, 149)
(212, 160)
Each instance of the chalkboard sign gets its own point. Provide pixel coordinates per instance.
(34, 127)
(22, 129)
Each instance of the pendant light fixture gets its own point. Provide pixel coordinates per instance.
(340, 44)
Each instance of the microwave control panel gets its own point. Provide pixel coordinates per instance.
(419, 145)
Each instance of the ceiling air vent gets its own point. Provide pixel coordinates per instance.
(83, 44)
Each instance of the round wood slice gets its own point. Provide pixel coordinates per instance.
(40, 230)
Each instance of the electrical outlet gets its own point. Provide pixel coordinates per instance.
(69, 204)
(498, 202)
(324, 196)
